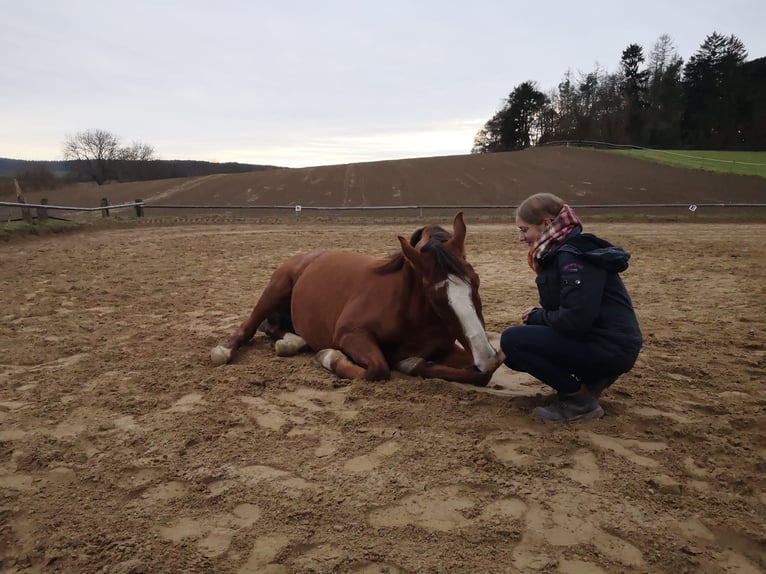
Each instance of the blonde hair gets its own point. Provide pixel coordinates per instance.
(539, 206)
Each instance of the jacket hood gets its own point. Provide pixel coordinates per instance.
(596, 250)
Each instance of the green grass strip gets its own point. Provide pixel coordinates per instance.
(735, 162)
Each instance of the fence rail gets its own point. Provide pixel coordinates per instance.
(70, 207)
(141, 206)
(432, 206)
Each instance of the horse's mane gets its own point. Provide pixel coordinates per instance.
(445, 259)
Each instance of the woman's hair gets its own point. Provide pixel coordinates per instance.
(539, 206)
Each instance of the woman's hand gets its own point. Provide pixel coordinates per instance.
(525, 314)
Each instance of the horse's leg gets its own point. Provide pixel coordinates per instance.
(276, 325)
(337, 362)
(418, 367)
(458, 357)
(457, 366)
(275, 297)
(359, 357)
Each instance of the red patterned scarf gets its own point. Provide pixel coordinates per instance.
(552, 236)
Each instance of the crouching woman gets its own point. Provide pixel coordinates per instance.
(585, 333)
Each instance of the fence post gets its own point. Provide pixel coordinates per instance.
(139, 208)
(105, 207)
(25, 211)
(42, 212)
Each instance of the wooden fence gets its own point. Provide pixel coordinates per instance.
(40, 212)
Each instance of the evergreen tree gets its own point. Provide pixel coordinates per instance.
(713, 90)
(753, 110)
(634, 89)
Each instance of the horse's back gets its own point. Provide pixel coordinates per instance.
(326, 287)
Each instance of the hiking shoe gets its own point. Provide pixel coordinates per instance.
(579, 406)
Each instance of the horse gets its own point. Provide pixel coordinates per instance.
(417, 311)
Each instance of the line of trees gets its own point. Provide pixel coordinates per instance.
(716, 100)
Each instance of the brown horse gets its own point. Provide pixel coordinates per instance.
(417, 311)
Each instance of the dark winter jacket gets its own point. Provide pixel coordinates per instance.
(582, 295)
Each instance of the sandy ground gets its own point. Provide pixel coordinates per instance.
(123, 450)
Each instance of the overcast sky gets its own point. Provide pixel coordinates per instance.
(304, 82)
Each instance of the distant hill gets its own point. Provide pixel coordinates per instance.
(10, 166)
(156, 169)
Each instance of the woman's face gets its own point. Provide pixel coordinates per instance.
(529, 232)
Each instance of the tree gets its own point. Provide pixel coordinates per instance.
(482, 142)
(547, 120)
(525, 104)
(566, 104)
(609, 111)
(137, 152)
(754, 106)
(587, 97)
(663, 55)
(512, 127)
(713, 90)
(634, 90)
(98, 154)
(664, 95)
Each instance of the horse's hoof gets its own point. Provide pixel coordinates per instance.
(220, 355)
(289, 345)
(407, 366)
(326, 357)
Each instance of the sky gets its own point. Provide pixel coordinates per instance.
(300, 83)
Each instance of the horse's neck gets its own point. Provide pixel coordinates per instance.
(415, 298)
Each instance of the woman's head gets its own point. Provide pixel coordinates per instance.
(538, 207)
(535, 213)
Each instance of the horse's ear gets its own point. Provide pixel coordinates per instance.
(458, 234)
(412, 255)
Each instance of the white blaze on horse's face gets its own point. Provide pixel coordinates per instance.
(459, 295)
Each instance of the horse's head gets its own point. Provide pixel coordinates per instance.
(451, 286)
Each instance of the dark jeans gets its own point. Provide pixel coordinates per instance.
(564, 363)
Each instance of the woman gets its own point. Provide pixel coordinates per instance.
(585, 333)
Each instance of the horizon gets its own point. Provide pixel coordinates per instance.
(414, 158)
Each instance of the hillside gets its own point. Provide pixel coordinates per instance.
(579, 176)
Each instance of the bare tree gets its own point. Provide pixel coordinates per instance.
(93, 150)
(137, 151)
(97, 153)
(663, 55)
(665, 94)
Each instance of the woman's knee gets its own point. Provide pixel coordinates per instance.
(511, 339)
(515, 344)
